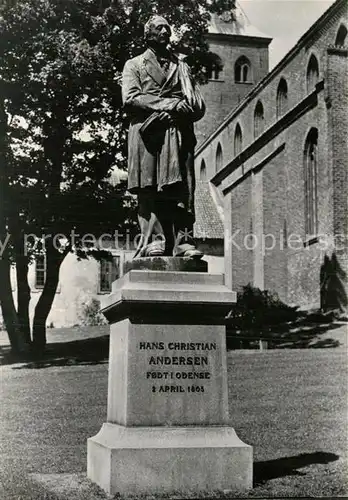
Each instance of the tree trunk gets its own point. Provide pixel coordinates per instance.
(22, 268)
(23, 294)
(8, 308)
(53, 148)
(6, 298)
(43, 307)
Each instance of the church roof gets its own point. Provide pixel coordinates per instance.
(208, 223)
(233, 22)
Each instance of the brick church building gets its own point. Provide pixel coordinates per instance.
(274, 147)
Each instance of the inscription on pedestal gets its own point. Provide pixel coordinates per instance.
(178, 366)
(172, 376)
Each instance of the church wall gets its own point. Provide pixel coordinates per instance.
(275, 215)
(304, 263)
(294, 273)
(242, 253)
(337, 99)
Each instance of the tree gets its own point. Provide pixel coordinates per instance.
(6, 298)
(60, 63)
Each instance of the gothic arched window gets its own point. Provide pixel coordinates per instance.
(310, 160)
(218, 158)
(259, 119)
(214, 68)
(282, 97)
(312, 73)
(341, 37)
(203, 171)
(242, 70)
(238, 140)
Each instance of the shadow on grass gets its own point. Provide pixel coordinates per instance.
(305, 332)
(90, 351)
(289, 466)
(302, 332)
(261, 315)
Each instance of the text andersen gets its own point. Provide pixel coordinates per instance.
(178, 360)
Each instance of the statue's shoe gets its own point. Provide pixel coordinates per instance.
(155, 249)
(187, 250)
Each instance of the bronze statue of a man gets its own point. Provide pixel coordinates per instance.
(162, 102)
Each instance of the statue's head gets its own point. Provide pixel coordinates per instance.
(157, 31)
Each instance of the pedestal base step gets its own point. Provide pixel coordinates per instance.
(173, 461)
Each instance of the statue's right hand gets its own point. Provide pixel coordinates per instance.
(165, 118)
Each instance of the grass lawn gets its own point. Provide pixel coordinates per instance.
(290, 405)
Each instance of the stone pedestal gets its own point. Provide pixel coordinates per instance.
(168, 429)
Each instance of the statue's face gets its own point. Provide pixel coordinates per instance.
(159, 32)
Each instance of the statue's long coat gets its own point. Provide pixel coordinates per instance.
(146, 89)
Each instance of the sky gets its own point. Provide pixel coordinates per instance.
(283, 20)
